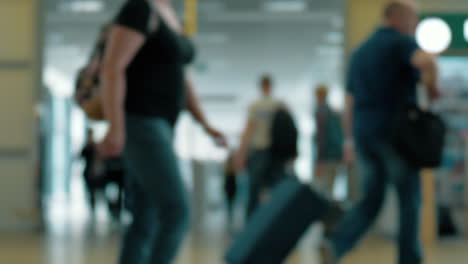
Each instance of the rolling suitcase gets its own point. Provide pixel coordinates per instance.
(276, 227)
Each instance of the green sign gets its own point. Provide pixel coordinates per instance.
(456, 22)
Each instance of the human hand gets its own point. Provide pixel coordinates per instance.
(113, 144)
(217, 136)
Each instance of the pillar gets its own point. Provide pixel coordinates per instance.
(19, 87)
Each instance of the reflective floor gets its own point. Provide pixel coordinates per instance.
(72, 237)
(76, 240)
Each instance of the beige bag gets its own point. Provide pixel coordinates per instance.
(89, 93)
(88, 97)
(93, 107)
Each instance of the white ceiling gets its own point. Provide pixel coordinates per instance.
(237, 41)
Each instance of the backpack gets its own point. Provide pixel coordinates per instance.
(284, 135)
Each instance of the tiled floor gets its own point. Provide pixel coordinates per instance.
(76, 243)
(72, 239)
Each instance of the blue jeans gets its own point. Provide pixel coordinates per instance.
(159, 201)
(256, 161)
(265, 170)
(380, 166)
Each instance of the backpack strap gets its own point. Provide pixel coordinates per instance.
(154, 20)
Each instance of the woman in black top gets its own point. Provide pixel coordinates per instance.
(144, 90)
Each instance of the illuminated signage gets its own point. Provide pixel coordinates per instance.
(434, 35)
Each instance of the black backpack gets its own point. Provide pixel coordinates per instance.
(284, 135)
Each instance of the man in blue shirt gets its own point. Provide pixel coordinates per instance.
(384, 72)
(328, 142)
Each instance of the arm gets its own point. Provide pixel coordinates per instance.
(427, 64)
(348, 117)
(348, 129)
(123, 45)
(241, 157)
(194, 107)
(92, 69)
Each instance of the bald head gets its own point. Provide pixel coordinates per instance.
(393, 8)
(401, 16)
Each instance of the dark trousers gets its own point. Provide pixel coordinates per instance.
(381, 166)
(265, 170)
(91, 189)
(158, 199)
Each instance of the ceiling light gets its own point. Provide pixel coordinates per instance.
(212, 38)
(86, 6)
(58, 83)
(334, 38)
(285, 6)
(329, 50)
(466, 30)
(434, 35)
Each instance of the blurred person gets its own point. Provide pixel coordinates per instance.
(282, 152)
(89, 154)
(384, 73)
(256, 140)
(230, 187)
(144, 89)
(114, 175)
(329, 142)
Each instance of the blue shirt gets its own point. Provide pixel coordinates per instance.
(380, 78)
(329, 136)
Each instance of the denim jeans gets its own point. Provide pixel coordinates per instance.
(158, 198)
(265, 170)
(256, 161)
(380, 166)
(325, 177)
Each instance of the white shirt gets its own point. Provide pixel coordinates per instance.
(261, 114)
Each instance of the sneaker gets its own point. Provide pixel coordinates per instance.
(327, 254)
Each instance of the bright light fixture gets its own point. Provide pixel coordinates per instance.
(285, 6)
(434, 35)
(58, 83)
(86, 6)
(334, 38)
(337, 99)
(466, 30)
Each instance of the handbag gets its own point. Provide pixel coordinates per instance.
(93, 107)
(419, 136)
(88, 91)
(88, 96)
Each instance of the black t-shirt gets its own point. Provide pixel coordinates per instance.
(155, 77)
